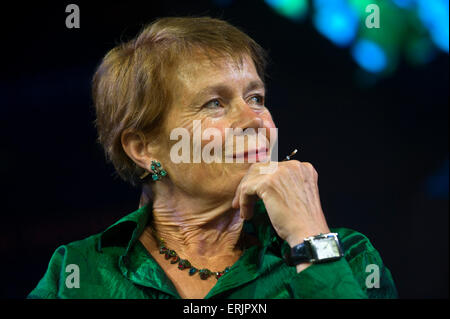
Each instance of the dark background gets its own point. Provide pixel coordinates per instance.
(381, 151)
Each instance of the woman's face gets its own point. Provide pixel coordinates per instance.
(217, 95)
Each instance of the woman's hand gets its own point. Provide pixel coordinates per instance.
(291, 198)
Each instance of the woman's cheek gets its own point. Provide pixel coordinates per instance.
(270, 133)
(217, 125)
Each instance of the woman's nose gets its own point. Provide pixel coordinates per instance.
(246, 117)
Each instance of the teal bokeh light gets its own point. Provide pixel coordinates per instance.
(413, 29)
(435, 16)
(293, 9)
(369, 55)
(337, 21)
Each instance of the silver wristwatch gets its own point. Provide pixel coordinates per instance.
(316, 249)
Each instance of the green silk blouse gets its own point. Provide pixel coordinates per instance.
(114, 264)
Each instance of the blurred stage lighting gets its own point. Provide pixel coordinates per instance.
(292, 9)
(434, 15)
(369, 55)
(413, 31)
(337, 21)
(437, 183)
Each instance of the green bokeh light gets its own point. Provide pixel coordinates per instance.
(292, 9)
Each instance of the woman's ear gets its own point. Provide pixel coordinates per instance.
(137, 148)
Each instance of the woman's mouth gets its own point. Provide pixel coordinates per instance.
(258, 155)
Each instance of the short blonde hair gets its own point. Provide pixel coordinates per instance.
(131, 87)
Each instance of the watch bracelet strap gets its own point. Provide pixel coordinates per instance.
(307, 255)
(303, 254)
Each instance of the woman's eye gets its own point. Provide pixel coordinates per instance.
(213, 104)
(258, 99)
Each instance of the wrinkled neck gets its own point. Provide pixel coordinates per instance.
(204, 231)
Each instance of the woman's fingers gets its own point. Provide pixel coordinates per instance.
(247, 199)
(235, 202)
(247, 191)
(244, 199)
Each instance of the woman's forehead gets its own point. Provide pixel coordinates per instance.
(200, 71)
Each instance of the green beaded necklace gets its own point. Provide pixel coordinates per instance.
(184, 263)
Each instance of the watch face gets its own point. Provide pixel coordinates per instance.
(326, 248)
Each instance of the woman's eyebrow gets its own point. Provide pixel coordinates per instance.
(223, 87)
(253, 85)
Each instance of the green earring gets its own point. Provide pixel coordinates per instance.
(157, 171)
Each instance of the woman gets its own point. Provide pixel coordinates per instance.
(204, 229)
